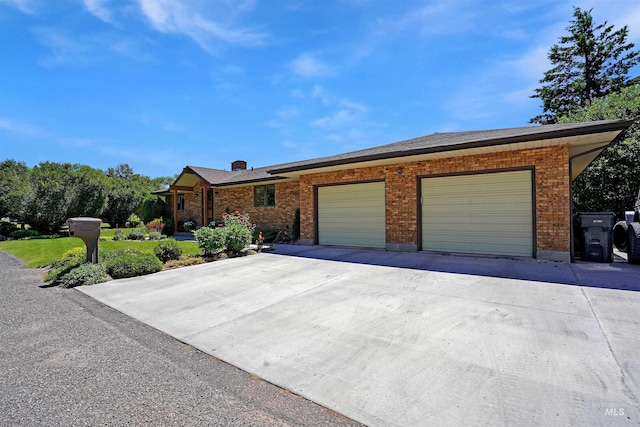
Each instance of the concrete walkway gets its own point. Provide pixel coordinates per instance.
(412, 338)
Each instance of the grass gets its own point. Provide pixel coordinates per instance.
(43, 252)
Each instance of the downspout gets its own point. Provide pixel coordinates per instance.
(571, 209)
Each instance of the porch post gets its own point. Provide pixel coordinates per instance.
(175, 210)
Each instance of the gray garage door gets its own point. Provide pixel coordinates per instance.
(352, 215)
(488, 213)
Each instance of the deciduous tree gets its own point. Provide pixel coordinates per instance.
(612, 180)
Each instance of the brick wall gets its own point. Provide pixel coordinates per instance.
(551, 187)
(241, 199)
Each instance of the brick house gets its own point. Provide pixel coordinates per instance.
(500, 192)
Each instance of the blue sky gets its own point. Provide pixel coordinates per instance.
(161, 84)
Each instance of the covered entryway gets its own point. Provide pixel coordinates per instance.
(352, 215)
(486, 213)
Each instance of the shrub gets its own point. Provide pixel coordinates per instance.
(237, 218)
(118, 235)
(156, 225)
(152, 207)
(24, 234)
(183, 262)
(131, 265)
(189, 225)
(238, 237)
(134, 220)
(155, 235)
(85, 274)
(168, 230)
(107, 256)
(210, 240)
(167, 250)
(136, 234)
(70, 259)
(6, 228)
(269, 234)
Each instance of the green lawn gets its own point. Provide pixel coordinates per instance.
(42, 252)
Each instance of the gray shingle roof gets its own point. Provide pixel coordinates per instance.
(434, 143)
(442, 142)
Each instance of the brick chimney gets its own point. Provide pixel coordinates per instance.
(239, 165)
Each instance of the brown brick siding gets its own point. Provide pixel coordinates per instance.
(241, 199)
(551, 188)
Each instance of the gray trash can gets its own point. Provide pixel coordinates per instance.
(597, 229)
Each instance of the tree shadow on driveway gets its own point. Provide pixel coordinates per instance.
(617, 275)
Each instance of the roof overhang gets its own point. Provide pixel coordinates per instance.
(188, 178)
(584, 143)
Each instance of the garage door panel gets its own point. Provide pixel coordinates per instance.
(352, 215)
(486, 213)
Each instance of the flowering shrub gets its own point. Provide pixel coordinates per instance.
(238, 237)
(237, 218)
(156, 225)
(189, 225)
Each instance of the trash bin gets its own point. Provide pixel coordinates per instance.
(87, 229)
(597, 229)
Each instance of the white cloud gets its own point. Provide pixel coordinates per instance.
(188, 18)
(24, 6)
(99, 9)
(307, 65)
(19, 128)
(73, 49)
(287, 113)
(336, 119)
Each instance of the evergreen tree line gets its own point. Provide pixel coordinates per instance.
(589, 80)
(48, 194)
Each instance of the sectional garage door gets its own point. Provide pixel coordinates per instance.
(489, 213)
(352, 215)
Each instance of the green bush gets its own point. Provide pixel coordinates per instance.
(136, 234)
(152, 207)
(85, 274)
(156, 235)
(69, 261)
(238, 237)
(118, 235)
(134, 220)
(168, 227)
(131, 265)
(269, 234)
(211, 240)
(167, 250)
(24, 234)
(6, 228)
(184, 262)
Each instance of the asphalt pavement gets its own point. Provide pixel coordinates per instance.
(67, 360)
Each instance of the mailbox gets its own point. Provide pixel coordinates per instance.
(87, 229)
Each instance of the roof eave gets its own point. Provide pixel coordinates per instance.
(559, 133)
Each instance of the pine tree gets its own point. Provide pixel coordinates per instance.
(591, 62)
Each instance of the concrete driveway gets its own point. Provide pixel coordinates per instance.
(412, 338)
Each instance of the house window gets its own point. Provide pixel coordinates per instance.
(264, 195)
(180, 202)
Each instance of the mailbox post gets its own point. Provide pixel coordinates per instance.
(87, 229)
